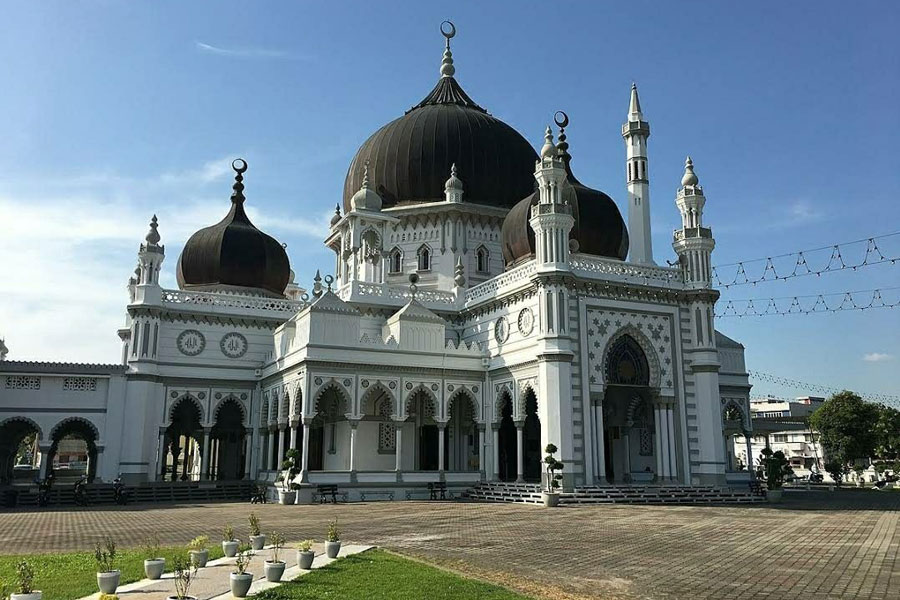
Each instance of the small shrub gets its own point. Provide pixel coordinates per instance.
(105, 555)
(199, 543)
(109, 597)
(150, 548)
(242, 559)
(228, 534)
(305, 545)
(184, 571)
(254, 524)
(553, 465)
(775, 467)
(277, 541)
(24, 578)
(334, 534)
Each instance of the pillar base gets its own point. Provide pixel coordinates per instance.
(399, 476)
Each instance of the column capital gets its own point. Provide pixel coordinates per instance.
(307, 421)
(207, 430)
(398, 420)
(519, 424)
(354, 423)
(162, 430)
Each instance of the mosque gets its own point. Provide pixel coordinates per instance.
(484, 303)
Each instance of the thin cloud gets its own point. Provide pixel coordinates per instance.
(247, 52)
(877, 357)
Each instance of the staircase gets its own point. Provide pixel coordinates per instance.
(530, 493)
(161, 491)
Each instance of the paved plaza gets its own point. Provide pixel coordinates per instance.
(816, 545)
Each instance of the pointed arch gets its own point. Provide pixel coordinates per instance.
(374, 396)
(482, 259)
(627, 340)
(423, 258)
(432, 399)
(504, 395)
(187, 398)
(25, 420)
(520, 411)
(395, 260)
(284, 410)
(731, 408)
(343, 398)
(229, 398)
(467, 395)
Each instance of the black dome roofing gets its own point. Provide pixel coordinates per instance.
(599, 228)
(233, 252)
(410, 157)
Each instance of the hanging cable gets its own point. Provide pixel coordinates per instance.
(815, 387)
(812, 303)
(779, 268)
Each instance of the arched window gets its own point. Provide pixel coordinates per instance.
(481, 259)
(424, 255)
(396, 261)
(627, 364)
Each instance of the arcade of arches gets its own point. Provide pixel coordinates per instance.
(71, 453)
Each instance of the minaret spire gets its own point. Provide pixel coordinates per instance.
(635, 132)
(448, 30)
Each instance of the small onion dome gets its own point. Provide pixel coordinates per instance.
(453, 183)
(690, 178)
(233, 253)
(548, 150)
(336, 217)
(365, 198)
(599, 228)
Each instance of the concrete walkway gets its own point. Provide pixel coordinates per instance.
(213, 582)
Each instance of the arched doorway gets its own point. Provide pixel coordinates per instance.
(182, 441)
(461, 437)
(73, 450)
(329, 425)
(421, 410)
(378, 428)
(19, 450)
(531, 439)
(228, 439)
(506, 437)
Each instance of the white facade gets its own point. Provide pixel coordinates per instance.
(464, 375)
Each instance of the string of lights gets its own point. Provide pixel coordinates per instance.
(815, 387)
(813, 303)
(796, 264)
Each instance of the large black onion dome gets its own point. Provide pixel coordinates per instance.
(409, 158)
(233, 253)
(599, 228)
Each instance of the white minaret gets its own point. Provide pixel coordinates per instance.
(551, 218)
(635, 132)
(693, 243)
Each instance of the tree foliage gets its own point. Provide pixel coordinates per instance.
(887, 433)
(846, 426)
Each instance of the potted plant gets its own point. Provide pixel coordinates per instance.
(107, 576)
(154, 565)
(287, 493)
(184, 571)
(230, 544)
(775, 467)
(305, 555)
(199, 549)
(257, 538)
(240, 578)
(25, 583)
(551, 495)
(275, 567)
(333, 539)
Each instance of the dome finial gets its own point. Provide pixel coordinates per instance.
(448, 30)
(240, 167)
(336, 217)
(365, 198)
(690, 178)
(548, 150)
(562, 146)
(152, 236)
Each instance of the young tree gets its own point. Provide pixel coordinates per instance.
(846, 426)
(887, 433)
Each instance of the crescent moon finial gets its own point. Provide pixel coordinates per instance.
(239, 165)
(448, 33)
(561, 119)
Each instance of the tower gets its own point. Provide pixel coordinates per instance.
(147, 293)
(635, 132)
(551, 218)
(693, 242)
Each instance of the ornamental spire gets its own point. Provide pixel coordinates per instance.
(152, 236)
(548, 150)
(690, 178)
(634, 107)
(240, 166)
(448, 30)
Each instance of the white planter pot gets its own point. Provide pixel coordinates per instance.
(154, 567)
(332, 549)
(550, 499)
(109, 581)
(305, 559)
(38, 595)
(230, 548)
(774, 496)
(258, 541)
(287, 497)
(199, 558)
(274, 570)
(240, 584)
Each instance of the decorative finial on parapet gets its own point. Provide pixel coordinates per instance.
(453, 187)
(413, 288)
(448, 30)
(562, 146)
(690, 178)
(240, 167)
(317, 284)
(336, 216)
(459, 277)
(328, 281)
(152, 236)
(548, 150)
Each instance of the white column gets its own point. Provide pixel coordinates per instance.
(398, 448)
(495, 451)
(442, 427)
(520, 453)
(293, 436)
(601, 448)
(270, 458)
(673, 460)
(658, 450)
(160, 456)
(482, 450)
(204, 458)
(664, 443)
(280, 457)
(353, 426)
(304, 455)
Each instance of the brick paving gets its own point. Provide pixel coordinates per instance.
(816, 545)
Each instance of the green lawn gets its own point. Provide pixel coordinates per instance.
(378, 575)
(73, 575)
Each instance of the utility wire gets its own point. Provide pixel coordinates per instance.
(815, 387)
(811, 303)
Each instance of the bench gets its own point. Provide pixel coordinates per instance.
(387, 493)
(436, 488)
(327, 490)
(258, 496)
(756, 488)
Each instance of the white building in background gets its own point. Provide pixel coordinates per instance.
(481, 307)
(784, 425)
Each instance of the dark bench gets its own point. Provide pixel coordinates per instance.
(258, 496)
(436, 488)
(327, 490)
(756, 488)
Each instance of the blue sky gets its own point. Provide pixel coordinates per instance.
(113, 111)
